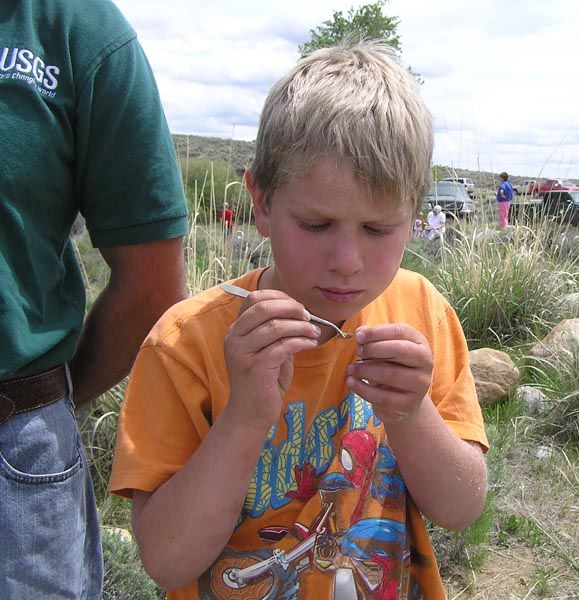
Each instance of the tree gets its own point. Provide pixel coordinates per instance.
(367, 22)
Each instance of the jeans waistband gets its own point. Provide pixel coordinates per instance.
(28, 393)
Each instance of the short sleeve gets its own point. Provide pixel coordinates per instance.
(128, 180)
(453, 390)
(157, 433)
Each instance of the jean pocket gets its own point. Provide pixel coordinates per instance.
(41, 446)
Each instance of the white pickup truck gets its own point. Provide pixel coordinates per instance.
(527, 188)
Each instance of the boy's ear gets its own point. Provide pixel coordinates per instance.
(260, 211)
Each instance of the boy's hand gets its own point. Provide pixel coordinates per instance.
(259, 349)
(395, 370)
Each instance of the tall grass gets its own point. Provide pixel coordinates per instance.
(213, 254)
(506, 287)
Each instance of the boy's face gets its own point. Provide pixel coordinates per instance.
(335, 249)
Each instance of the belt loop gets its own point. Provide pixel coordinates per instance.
(69, 384)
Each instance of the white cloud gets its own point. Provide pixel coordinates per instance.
(499, 78)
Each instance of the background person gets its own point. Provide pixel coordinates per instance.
(84, 131)
(504, 197)
(244, 421)
(227, 218)
(435, 223)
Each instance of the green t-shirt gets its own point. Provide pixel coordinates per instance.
(82, 130)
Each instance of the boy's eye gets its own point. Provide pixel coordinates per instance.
(374, 230)
(308, 226)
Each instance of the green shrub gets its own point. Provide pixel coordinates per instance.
(98, 430)
(467, 547)
(124, 577)
(206, 179)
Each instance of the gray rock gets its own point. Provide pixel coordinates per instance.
(568, 308)
(544, 453)
(568, 244)
(560, 347)
(534, 401)
(123, 534)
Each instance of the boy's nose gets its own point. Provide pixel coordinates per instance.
(345, 257)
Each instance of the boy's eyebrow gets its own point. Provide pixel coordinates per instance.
(313, 212)
(320, 213)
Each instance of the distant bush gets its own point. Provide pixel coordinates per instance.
(206, 180)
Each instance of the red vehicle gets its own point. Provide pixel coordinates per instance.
(549, 185)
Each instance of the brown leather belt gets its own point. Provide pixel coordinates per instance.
(27, 393)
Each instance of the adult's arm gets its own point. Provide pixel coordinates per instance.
(145, 280)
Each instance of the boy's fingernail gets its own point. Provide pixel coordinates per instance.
(307, 315)
(316, 329)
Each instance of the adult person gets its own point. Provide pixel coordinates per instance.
(435, 223)
(504, 197)
(82, 131)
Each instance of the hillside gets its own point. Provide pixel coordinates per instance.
(236, 152)
(240, 154)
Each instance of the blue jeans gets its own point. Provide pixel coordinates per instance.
(49, 528)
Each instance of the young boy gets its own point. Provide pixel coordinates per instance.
(267, 458)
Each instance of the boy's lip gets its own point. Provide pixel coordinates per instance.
(340, 294)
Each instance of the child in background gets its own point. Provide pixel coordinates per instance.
(266, 457)
(418, 228)
(227, 218)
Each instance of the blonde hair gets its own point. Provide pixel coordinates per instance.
(353, 103)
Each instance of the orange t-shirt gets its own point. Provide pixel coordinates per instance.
(327, 514)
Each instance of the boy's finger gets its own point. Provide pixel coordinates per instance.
(403, 352)
(262, 311)
(389, 375)
(272, 331)
(391, 331)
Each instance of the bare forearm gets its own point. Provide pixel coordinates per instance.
(106, 349)
(145, 280)
(183, 526)
(445, 475)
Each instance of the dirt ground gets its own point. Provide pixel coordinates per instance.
(512, 575)
(533, 549)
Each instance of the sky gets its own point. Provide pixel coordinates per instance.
(500, 77)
